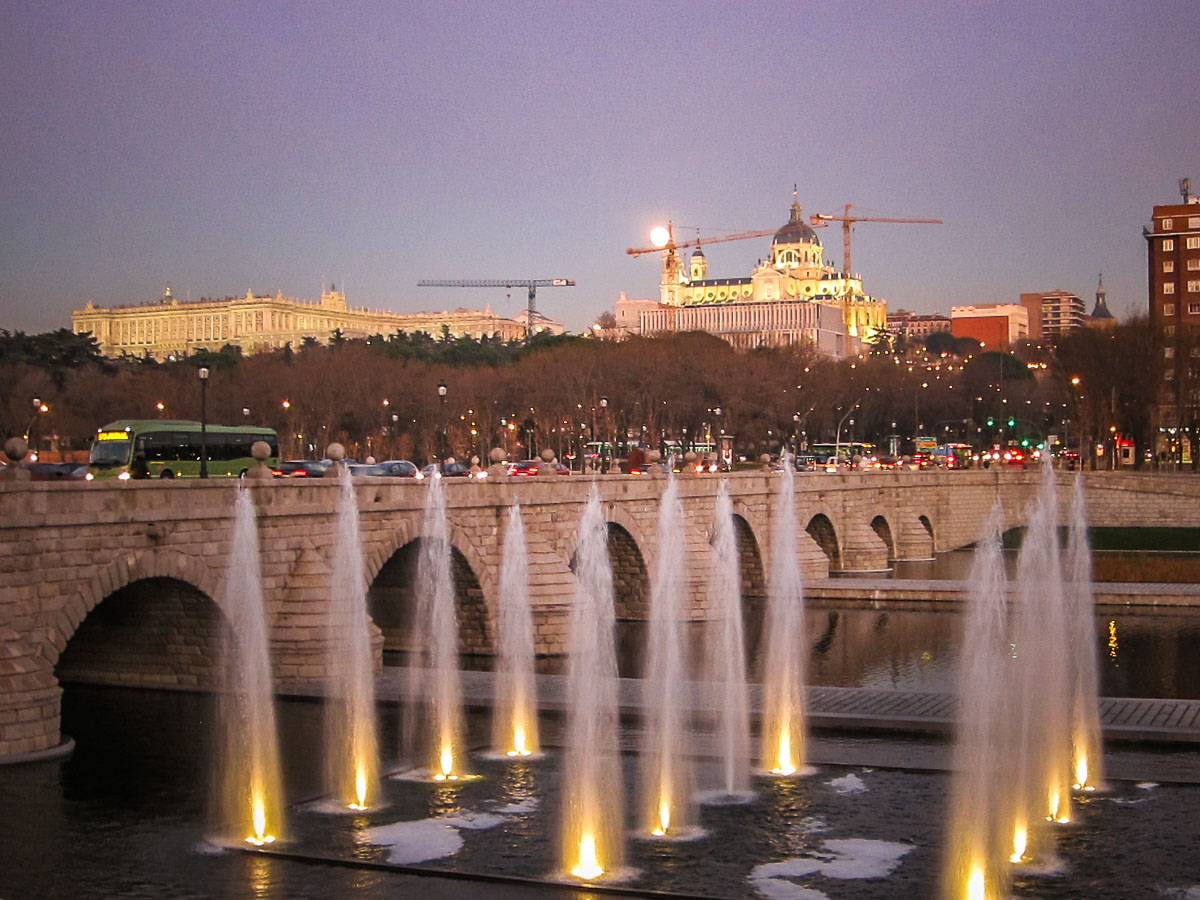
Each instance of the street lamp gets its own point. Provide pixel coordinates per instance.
(441, 390)
(202, 373)
(161, 407)
(603, 435)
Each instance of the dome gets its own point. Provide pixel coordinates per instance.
(796, 231)
(697, 252)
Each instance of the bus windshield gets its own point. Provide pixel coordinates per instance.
(109, 453)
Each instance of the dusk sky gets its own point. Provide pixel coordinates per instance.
(225, 147)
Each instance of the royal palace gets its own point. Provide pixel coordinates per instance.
(170, 326)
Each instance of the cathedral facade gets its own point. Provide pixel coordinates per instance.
(795, 274)
(172, 327)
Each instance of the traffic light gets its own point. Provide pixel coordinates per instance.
(990, 422)
(1025, 443)
(1012, 423)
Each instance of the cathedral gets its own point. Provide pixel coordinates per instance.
(795, 273)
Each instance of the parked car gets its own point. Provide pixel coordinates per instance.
(64, 471)
(530, 467)
(446, 470)
(401, 468)
(300, 468)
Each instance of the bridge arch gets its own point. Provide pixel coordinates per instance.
(753, 584)
(883, 530)
(392, 600)
(821, 530)
(158, 632)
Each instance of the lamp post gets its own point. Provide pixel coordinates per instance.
(441, 390)
(202, 373)
(603, 435)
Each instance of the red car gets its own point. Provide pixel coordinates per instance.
(530, 467)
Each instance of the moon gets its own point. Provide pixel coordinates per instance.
(659, 236)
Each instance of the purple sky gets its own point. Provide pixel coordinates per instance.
(219, 147)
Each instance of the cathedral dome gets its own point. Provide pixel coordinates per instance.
(796, 231)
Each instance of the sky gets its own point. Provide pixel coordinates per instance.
(221, 147)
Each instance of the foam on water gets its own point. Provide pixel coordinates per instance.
(846, 858)
(848, 784)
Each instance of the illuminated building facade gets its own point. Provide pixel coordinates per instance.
(795, 272)
(173, 327)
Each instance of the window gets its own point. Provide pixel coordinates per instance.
(1194, 264)
(1168, 265)
(1194, 287)
(1169, 287)
(1193, 243)
(1168, 246)
(1194, 222)
(1168, 309)
(1193, 309)
(1168, 352)
(1169, 375)
(1169, 330)
(1168, 224)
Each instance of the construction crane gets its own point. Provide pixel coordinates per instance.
(531, 283)
(846, 219)
(670, 243)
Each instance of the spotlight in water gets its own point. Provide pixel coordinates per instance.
(664, 818)
(259, 816)
(360, 789)
(1081, 774)
(784, 765)
(1020, 837)
(588, 867)
(447, 763)
(975, 884)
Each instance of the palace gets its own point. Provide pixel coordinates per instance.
(773, 306)
(170, 326)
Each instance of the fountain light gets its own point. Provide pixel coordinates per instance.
(360, 789)
(975, 884)
(519, 748)
(258, 814)
(784, 764)
(588, 867)
(664, 818)
(1056, 814)
(1020, 841)
(1081, 774)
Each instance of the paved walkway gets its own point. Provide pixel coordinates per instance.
(842, 709)
(1113, 593)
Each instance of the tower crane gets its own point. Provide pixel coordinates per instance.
(531, 283)
(671, 244)
(846, 219)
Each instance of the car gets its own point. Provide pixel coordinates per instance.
(531, 467)
(392, 468)
(401, 468)
(64, 471)
(299, 468)
(445, 470)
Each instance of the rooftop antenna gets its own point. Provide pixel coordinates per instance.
(1185, 189)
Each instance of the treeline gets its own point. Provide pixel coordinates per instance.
(380, 396)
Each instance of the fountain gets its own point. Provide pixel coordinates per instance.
(1042, 692)
(725, 658)
(514, 722)
(784, 671)
(435, 728)
(351, 747)
(251, 791)
(979, 836)
(1085, 706)
(593, 819)
(666, 772)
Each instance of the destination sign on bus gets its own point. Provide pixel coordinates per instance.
(112, 436)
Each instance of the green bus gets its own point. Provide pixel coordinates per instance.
(172, 448)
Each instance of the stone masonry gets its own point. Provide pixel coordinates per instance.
(155, 553)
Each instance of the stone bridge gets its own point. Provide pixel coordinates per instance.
(124, 583)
